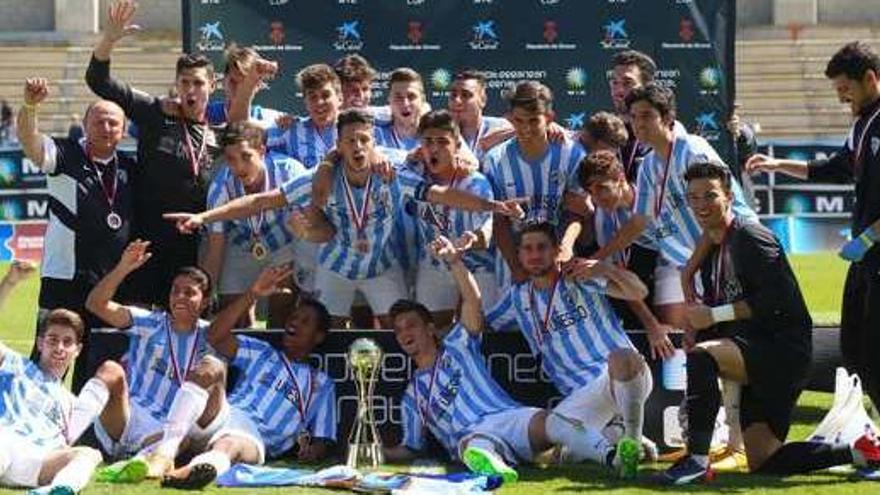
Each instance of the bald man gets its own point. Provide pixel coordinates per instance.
(90, 205)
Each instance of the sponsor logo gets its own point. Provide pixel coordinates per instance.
(687, 33)
(278, 36)
(707, 126)
(415, 33)
(415, 2)
(615, 35)
(576, 80)
(275, 3)
(440, 80)
(348, 37)
(211, 39)
(575, 121)
(485, 37)
(551, 39)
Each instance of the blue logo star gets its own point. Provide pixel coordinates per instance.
(706, 122)
(484, 30)
(575, 120)
(349, 30)
(211, 30)
(616, 30)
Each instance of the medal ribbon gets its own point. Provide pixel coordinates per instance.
(109, 194)
(425, 406)
(658, 202)
(303, 404)
(542, 324)
(628, 164)
(194, 160)
(442, 226)
(189, 362)
(257, 227)
(359, 218)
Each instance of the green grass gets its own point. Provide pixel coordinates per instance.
(821, 277)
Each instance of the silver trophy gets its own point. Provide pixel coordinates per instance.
(364, 444)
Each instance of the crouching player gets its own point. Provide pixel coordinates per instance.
(453, 395)
(174, 390)
(39, 418)
(751, 297)
(279, 401)
(569, 323)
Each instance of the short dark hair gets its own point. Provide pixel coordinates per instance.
(709, 170)
(545, 228)
(198, 275)
(531, 96)
(647, 66)
(353, 116)
(63, 318)
(599, 165)
(316, 75)
(354, 68)
(467, 74)
(853, 60)
(194, 61)
(659, 97)
(607, 127)
(408, 305)
(243, 131)
(321, 312)
(439, 119)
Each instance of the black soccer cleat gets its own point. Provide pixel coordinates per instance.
(200, 476)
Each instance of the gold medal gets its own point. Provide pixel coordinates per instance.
(259, 250)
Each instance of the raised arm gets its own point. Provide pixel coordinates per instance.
(18, 271)
(464, 200)
(220, 334)
(254, 75)
(100, 301)
(242, 207)
(626, 235)
(35, 91)
(764, 163)
(471, 316)
(622, 283)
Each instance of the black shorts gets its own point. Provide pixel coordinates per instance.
(642, 262)
(776, 378)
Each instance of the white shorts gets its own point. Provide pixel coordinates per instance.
(141, 425)
(241, 425)
(337, 292)
(436, 289)
(240, 268)
(509, 430)
(591, 404)
(25, 461)
(667, 284)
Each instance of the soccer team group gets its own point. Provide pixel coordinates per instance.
(445, 222)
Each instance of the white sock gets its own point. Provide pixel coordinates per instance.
(5, 460)
(188, 405)
(731, 392)
(582, 443)
(218, 459)
(88, 405)
(77, 473)
(631, 396)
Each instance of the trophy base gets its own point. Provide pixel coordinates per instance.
(364, 455)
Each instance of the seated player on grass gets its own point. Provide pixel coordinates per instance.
(453, 395)
(39, 418)
(752, 299)
(176, 390)
(564, 313)
(279, 402)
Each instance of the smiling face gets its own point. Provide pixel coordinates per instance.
(414, 335)
(187, 300)
(530, 127)
(58, 346)
(246, 163)
(194, 86)
(647, 122)
(104, 127)
(323, 103)
(537, 253)
(710, 202)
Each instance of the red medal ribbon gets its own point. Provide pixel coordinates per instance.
(542, 325)
(303, 404)
(425, 406)
(658, 202)
(195, 160)
(189, 362)
(359, 218)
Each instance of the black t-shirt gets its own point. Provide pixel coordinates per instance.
(751, 266)
(631, 155)
(166, 179)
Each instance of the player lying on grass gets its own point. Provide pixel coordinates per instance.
(279, 402)
(39, 418)
(567, 320)
(453, 395)
(753, 301)
(175, 389)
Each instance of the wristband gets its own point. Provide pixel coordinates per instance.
(870, 236)
(723, 313)
(30, 106)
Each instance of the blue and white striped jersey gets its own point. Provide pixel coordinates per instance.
(159, 359)
(544, 180)
(34, 406)
(452, 396)
(385, 136)
(581, 329)
(359, 253)
(437, 220)
(487, 125)
(662, 197)
(302, 141)
(216, 113)
(608, 222)
(271, 225)
(277, 402)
